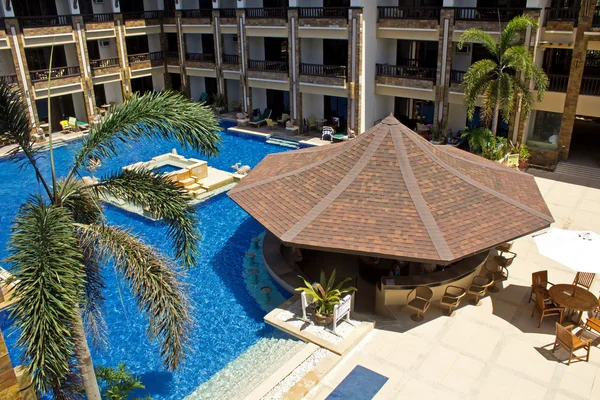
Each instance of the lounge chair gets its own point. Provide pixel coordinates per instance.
(263, 118)
(312, 123)
(203, 97)
(565, 338)
(64, 124)
(419, 300)
(545, 309)
(283, 119)
(270, 123)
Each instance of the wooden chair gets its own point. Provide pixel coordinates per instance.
(419, 300)
(479, 287)
(505, 261)
(539, 281)
(451, 298)
(565, 338)
(584, 279)
(545, 309)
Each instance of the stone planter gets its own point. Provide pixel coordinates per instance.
(323, 320)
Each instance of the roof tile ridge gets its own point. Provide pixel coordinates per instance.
(481, 186)
(433, 230)
(482, 164)
(341, 186)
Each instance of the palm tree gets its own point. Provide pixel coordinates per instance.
(61, 240)
(504, 76)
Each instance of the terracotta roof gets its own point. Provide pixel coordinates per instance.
(390, 193)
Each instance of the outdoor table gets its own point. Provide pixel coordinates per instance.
(574, 298)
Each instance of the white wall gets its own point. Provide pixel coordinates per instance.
(385, 51)
(369, 56)
(190, 4)
(259, 98)
(227, 4)
(6, 63)
(257, 48)
(254, 3)
(154, 43)
(461, 61)
(113, 92)
(382, 106)
(151, 5)
(311, 50)
(457, 117)
(233, 92)
(158, 80)
(312, 105)
(229, 46)
(79, 106)
(196, 87)
(193, 42)
(101, 8)
(108, 52)
(63, 7)
(71, 55)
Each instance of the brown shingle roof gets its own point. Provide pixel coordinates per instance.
(390, 193)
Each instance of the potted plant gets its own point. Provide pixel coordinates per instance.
(523, 151)
(325, 296)
(219, 102)
(438, 134)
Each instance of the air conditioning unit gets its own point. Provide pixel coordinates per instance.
(98, 1)
(104, 43)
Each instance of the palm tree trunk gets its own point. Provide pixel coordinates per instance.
(495, 118)
(84, 360)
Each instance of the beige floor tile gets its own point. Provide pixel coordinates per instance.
(523, 357)
(498, 385)
(438, 363)
(415, 389)
(576, 384)
(525, 389)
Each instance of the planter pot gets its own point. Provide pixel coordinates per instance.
(323, 320)
(219, 110)
(523, 165)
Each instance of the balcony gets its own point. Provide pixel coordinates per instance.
(492, 14)
(46, 21)
(590, 86)
(334, 71)
(269, 66)
(133, 15)
(105, 63)
(198, 13)
(411, 70)
(558, 83)
(140, 58)
(273, 12)
(55, 73)
(10, 79)
(105, 17)
(227, 13)
(562, 14)
(323, 12)
(231, 59)
(457, 76)
(201, 57)
(596, 19)
(418, 13)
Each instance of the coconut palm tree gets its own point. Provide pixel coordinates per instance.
(61, 240)
(505, 76)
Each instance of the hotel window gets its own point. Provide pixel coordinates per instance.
(545, 129)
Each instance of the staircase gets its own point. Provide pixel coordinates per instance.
(192, 186)
(578, 171)
(284, 141)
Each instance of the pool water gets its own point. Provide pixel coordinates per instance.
(227, 319)
(165, 169)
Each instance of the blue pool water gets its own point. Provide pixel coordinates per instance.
(165, 169)
(227, 319)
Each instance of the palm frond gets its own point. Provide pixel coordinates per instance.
(48, 278)
(506, 93)
(154, 282)
(514, 28)
(540, 79)
(81, 200)
(476, 35)
(526, 97)
(476, 82)
(490, 99)
(163, 199)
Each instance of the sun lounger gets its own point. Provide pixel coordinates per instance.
(263, 118)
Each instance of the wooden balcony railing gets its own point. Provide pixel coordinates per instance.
(457, 76)
(10, 79)
(138, 58)
(105, 63)
(337, 71)
(201, 13)
(172, 55)
(104, 17)
(55, 73)
(270, 12)
(409, 12)
(227, 13)
(273, 66)
(421, 73)
(557, 83)
(562, 14)
(590, 86)
(45, 21)
(141, 15)
(206, 57)
(503, 14)
(231, 59)
(323, 12)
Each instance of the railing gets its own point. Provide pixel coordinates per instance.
(593, 61)
(173, 55)
(590, 86)
(105, 17)
(60, 72)
(487, 13)
(39, 22)
(105, 63)
(558, 83)
(409, 12)
(227, 13)
(231, 59)
(323, 70)
(202, 13)
(323, 12)
(10, 79)
(207, 57)
(169, 14)
(261, 65)
(562, 14)
(271, 12)
(422, 73)
(596, 19)
(141, 15)
(138, 58)
(457, 76)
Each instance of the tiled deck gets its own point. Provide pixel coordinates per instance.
(494, 351)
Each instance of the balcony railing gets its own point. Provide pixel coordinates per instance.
(141, 15)
(562, 14)
(10, 79)
(202, 13)
(105, 63)
(487, 14)
(169, 14)
(337, 71)
(457, 76)
(274, 66)
(409, 12)
(105, 17)
(55, 73)
(558, 83)
(596, 19)
(323, 12)
(409, 72)
(590, 86)
(138, 58)
(206, 57)
(271, 12)
(46, 21)
(227, 13)
(173, 55)
(231, 59)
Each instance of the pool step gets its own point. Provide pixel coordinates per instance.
(192, 187)
(279, 141)
(187, 181)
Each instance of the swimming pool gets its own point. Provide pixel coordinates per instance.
(227, 320)
(166, 169)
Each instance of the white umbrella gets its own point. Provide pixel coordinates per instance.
(578, 250)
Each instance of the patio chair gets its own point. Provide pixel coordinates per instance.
(505, 261)
(312, 123)
(565, 338)
(451, 298)
(584, 279)
(270, 123)
(419, 300)
(73, 124)
(262, 119)
(545, 309)
(203, 97)
(283, 119)
(64, 124)
(539, 281)
(501, 248)
(479, 287)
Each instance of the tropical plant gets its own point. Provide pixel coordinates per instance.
(325, 295)
(219, 100)
(485, 144)
(504, 77)
(61, 240)
(521, 149)
(438, 132)
(118, 383)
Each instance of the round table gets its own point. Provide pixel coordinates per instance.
(574, 298)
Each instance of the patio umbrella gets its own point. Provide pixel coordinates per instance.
(578, 250)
